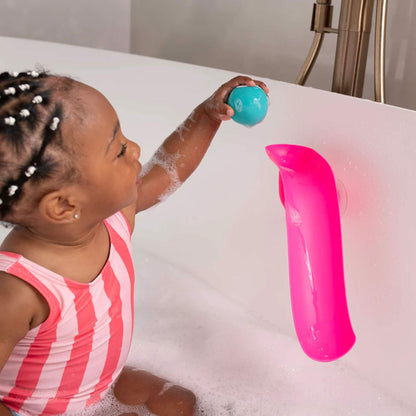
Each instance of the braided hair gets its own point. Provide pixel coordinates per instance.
(31, 145)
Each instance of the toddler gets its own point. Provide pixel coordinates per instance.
(71, 184)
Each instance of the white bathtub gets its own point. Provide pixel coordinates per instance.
(212, 306)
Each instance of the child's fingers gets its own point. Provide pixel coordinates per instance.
(226, 112)
(220, 111)
(263, 86)
(225, 90)
(217, 105)
(217, 108)
(241, 80)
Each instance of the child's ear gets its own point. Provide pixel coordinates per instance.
(59, 206)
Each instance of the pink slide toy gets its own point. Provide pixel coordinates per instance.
(319, 305)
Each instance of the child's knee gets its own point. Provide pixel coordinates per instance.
(172, 400)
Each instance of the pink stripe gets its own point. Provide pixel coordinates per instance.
(99, 347)
(8, 254)
(29, 374)
(124, 251)
(27, 379)
(81, 349)
(112, 290)
(125, 293)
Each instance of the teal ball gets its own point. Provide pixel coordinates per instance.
(250, 105)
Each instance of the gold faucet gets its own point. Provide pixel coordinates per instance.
(352, 45)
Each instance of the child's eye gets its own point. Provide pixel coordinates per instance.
(123, 150)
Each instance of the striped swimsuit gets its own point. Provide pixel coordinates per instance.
(69, 361)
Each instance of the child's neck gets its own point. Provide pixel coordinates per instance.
(63, 236)
(77, 252)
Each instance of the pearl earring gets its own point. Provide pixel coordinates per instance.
(76, 216)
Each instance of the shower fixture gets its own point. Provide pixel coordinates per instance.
(352, 45)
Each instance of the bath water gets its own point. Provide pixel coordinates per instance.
(236, 365)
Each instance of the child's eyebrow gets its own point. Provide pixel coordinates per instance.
(116, 129)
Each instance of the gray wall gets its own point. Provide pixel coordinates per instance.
(268, 38)
(95, 23)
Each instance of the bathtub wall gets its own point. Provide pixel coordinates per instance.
(94, 23)
(226, 225)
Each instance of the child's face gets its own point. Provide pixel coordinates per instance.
(109, 162)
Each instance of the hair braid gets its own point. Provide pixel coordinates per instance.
(30, 115)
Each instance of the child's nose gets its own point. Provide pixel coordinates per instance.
(136, 151)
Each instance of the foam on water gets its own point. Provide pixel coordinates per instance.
(236, 365)
(110, 406)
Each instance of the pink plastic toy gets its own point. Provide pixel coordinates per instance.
(319, 306)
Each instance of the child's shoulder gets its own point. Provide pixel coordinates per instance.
(22, 307)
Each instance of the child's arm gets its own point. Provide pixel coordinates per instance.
(19, 304)
(4, 411)
(183, 150)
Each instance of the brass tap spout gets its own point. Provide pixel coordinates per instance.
(352, 46)
(321, 24)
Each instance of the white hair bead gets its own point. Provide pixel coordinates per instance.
(1, 201)
(37, 100)
(24, 87)
(33, 74)
(24, 113)
(14, 74)
(55, 123)
(10, 121)
(12, 189)
(10, 91)
(30, 171)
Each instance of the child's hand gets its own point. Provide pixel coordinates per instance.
(216, 106)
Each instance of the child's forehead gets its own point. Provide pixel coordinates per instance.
(91, 103)
(91, 115)
(89, 94)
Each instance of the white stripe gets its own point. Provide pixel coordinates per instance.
(125, 295)
(122, 227)
(56, 362)
(99, 346)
